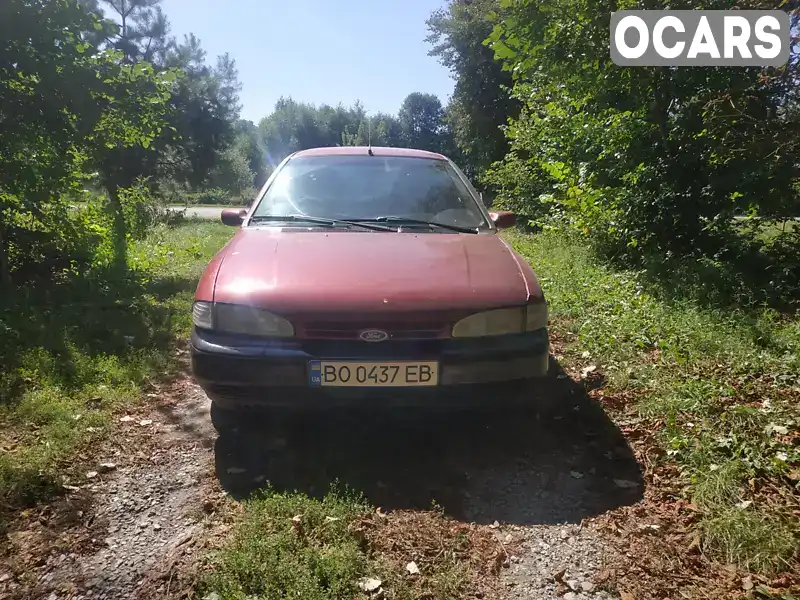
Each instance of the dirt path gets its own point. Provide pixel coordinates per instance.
(128, 530)
(141, 509)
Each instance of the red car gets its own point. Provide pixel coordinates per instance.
(367, 275)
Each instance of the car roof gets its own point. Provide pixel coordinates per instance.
(376, 150)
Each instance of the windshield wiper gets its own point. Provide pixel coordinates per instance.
(404, 221)
(319, 221)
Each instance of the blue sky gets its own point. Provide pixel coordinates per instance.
(318, 51)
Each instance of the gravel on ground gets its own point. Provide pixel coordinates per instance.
(149, 512)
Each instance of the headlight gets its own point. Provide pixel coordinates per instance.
(503, 321)
(203, 315)
(239, 318)
(536, 316)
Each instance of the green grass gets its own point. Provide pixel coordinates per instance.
(723, 384)
(77, 350)
(753, 539)
(287, 545)
(769, 230)
(270, 556)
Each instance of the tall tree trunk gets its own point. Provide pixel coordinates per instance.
(119, 233)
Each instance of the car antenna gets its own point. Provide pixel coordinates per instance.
(369, 137)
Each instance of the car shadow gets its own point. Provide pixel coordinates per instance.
(512, 466)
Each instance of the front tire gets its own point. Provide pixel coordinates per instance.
(549, 395)
(226, 415)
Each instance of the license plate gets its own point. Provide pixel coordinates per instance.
(327, 373)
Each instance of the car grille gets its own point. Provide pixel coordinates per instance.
(396, 331)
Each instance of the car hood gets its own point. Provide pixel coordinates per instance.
(300, 272)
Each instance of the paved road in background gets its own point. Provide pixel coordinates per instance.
(202, 212)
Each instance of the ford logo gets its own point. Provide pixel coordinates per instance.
(373, 335)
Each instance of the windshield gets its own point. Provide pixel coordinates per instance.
(368, 187)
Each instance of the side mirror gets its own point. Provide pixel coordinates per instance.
(503, 219)
(233, 216)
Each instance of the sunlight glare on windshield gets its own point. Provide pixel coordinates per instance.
(363, 187)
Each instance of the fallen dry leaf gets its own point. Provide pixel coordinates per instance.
(297, 525)
(779, 429)
(695, 543)
(369, 584)
(623, 595)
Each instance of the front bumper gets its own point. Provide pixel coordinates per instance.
(252, 371)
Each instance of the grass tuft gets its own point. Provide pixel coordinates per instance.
(291, 546)
(720, 487)
(752, 539)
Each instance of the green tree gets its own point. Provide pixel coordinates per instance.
(143, 29)
(65, 106)
(251, 145)
(481, 103)
(232, 171)
(204, 104)
(294, 126)
(386, 130)
(421, 117)
(657, 159)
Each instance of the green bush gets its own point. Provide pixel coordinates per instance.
(222, 197)
(73, 236)
(655, 166)
(143, 210)
(54, 239)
